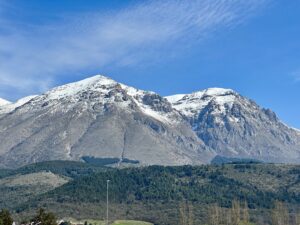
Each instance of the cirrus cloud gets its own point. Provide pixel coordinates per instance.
(32, 57)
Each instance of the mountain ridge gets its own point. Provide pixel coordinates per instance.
(4, 102)
(100, 117)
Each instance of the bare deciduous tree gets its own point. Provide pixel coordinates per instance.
(246, 217)
(280, 214)
(186, 213)
(214, 214)
(235, 212)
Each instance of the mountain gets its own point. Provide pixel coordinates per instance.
(4, 102)
(235, 126)
(9, 106)
(99, 117)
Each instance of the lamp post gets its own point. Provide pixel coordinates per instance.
(107, 182)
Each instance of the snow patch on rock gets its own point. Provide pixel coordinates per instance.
(191, 104)
(70, 90)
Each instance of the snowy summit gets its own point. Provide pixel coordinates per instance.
(189, 104)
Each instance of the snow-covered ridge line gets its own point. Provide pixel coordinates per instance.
(187, 104)
(72, 89)
(12, 106)
(174, 98)
(198, 94)
(4, 102)
(100, 117)
(191, 104)
(295, 129)
(98, 83)
(137, 98)
(102, 85)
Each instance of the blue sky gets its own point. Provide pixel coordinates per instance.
(168, 46)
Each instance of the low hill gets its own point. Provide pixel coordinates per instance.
(17, 188)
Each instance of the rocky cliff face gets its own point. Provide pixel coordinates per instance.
(102, 118)
(235, 126)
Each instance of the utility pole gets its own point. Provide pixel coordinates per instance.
(107, 182)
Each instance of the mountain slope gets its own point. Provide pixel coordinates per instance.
(9, 107)
(97, 117)
(235, 126)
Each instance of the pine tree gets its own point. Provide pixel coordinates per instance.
(44, 218)
(5, 217)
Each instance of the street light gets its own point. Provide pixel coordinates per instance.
(107, 182)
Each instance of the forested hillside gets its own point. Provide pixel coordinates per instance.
(165, 195)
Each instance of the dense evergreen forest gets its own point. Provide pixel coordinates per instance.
(166, 195)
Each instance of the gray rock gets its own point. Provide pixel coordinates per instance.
(99, 117)
(234, 126)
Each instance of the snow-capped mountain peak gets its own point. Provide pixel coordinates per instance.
(99, 84)
(94, 83)
(218, 91)
(4, 102)
(192, 104)
(103, 118)
(97, 117)
(102, 93)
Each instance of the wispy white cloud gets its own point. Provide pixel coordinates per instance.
(32, 57)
